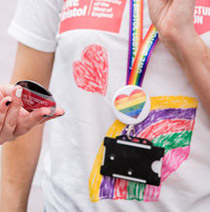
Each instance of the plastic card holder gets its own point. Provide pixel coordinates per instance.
(133, 159)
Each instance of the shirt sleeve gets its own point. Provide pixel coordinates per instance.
(36, 23)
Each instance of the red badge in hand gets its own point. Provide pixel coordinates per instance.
(35, 96)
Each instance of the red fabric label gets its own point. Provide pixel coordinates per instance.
(105, 15)
(202, 16)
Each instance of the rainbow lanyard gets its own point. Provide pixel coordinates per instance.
(140, 50)
(131, 104)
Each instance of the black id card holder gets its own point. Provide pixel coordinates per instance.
(134, 159)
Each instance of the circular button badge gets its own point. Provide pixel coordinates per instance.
(131, 104)
(35, 96)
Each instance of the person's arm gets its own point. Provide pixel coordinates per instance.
(174, 22)
(19, 158)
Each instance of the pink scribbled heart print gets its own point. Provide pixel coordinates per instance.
(91, 72)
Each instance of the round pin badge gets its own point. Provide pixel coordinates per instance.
(131, 104)
(35, 96)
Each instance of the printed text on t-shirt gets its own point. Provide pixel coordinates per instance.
(105, 15)
(202, 16)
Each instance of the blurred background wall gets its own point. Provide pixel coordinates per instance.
(7, 57)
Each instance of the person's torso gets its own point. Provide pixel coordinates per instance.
(90, 66)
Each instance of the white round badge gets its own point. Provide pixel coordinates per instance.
(131, 104)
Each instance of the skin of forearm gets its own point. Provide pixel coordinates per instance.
(174, 22)
(19, 158)
(194, 57)
(19, 161)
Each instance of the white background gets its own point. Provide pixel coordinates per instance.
(7, 57)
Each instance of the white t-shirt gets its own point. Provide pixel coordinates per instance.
(90, 38)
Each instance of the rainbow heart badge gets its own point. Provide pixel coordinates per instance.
(131, 104)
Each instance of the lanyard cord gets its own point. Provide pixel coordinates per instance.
(135, 32)
(139, 50)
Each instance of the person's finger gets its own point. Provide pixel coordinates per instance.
(58, 113)
(4, 105)
(6, 90)
(31, 120)
(10, 121)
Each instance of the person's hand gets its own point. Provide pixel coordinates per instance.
(14, 119)
(172, 18)
(174, 22)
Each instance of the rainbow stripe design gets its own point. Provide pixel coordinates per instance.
(143, 56)
(135, 32)
(170, 125)
(131, 105)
